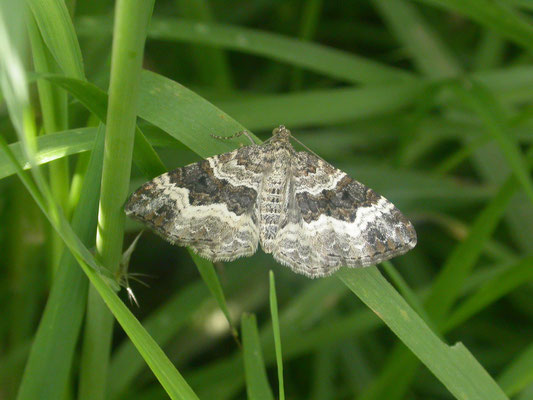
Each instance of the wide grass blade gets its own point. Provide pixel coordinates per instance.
(454, 366)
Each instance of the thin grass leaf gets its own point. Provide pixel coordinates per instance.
(332, 62)
(210, 278)
(454, 366)
(502, 284)
(257, 386)
(276, 332)
(305, 109)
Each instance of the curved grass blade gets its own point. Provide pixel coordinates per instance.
(315, 57)
(95, 100)
(58, 33)
(50, 147)
(162, 325)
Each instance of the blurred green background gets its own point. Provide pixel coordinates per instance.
(429, 102)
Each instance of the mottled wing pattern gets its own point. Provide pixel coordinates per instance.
(335, 221)
(208, 206)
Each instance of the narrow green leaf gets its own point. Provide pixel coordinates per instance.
(162, 324)
(306, 109)
(257, 386)
(500, 285)
(210, 277)
(276, 332)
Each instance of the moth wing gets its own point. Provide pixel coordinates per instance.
(208, 205)
(335, 221)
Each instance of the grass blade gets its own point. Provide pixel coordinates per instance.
(312, 56)
(131, 20)
(454, 366)
(58, 33)
(276, 332)
(257, 386)
(54, 343)
(210, 278)
(496, 16)
(481, 101)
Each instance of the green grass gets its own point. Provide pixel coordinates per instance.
(428, 102)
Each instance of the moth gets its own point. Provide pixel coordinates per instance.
(311, 216)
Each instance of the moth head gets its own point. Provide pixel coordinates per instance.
(281, 132)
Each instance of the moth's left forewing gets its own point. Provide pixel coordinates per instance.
(206, 205)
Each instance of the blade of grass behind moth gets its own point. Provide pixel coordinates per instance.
(210, 64)
(210, 277)
(454, 366)
(95, 100)
(50, 147)
(54, 343)
(257, 386)
(276, 332)
(493, 15)
(307, 108)
(170, 378)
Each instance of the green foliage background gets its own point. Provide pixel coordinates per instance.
(429, 102)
